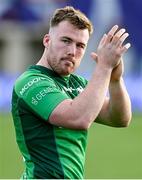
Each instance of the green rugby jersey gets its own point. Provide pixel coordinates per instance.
(49, 151)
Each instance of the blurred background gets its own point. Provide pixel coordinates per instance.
(111, 153)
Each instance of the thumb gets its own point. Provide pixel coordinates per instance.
(94, 56)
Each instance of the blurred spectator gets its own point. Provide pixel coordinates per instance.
(19, 11)
(45, 8)
(84, 6)
(29, 10)
(4, 5)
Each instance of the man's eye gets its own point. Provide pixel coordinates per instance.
(81, 46)
(66, 41)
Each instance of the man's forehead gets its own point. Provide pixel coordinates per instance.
(67, 29)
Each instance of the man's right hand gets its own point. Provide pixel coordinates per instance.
(111, 48)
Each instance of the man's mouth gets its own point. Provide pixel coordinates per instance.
(68, 60)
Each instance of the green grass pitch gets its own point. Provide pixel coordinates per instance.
(112, 153)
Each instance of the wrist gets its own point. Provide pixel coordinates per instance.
(105, 67)
(116, 80)
(102, 72)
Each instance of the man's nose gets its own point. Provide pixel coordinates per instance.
(71, 50)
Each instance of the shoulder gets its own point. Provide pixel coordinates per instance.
(31, 80)
(80, 79)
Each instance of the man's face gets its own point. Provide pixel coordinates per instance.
(66, 47)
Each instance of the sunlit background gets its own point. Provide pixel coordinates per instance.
(23, 24)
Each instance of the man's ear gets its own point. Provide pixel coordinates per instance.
(46, 40)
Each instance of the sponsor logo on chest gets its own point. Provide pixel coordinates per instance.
(71, 90)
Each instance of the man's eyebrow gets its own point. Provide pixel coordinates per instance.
(65, 37)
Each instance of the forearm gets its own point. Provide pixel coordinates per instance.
(88, 104)
(119, 104)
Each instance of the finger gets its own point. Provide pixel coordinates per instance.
(118, 35)
(125, 48)
(103, 40)
(113, 30)
(111, 33)
(122, 39)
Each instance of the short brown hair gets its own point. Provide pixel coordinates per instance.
(75, 17)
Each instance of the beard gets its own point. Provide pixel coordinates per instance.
(62, 67)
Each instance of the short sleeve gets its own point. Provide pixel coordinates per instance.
(42, 97)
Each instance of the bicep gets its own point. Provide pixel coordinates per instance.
(61, 115)
(67, 116)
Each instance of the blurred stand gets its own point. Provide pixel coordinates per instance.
(23, 24)
(131, 17)
(22, 27)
